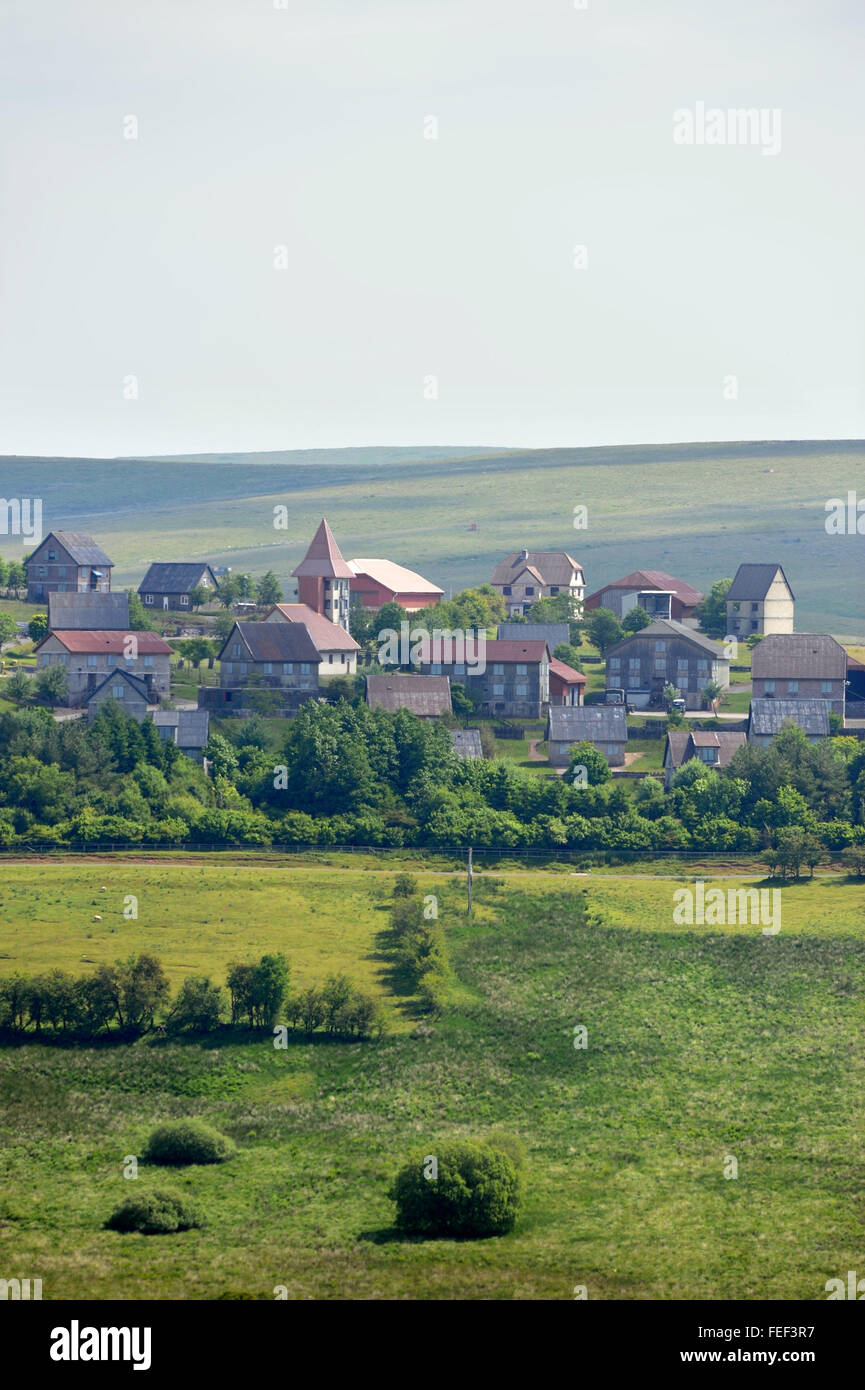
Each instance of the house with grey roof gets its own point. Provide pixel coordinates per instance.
(661, 595)
(714, 747)
(169, 585)
(188, 729)
(759, 601)
(527, 575)
(132, 693)
(666, 652)
(604, 726)
(425, 696)
(67, 562)
(800, 666)
(766, 718)
(277, 655)
(467, 743)
(92, 612)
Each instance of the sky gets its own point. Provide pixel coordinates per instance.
(241, 224)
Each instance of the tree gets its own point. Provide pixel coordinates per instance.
(199, 594)
(199, 1006)
(603, 629)
(228, 592)
(711, 693)
(711, 611)
(195, 650)
(462, 702)
(16, 577)
(584, 755)
(268, 589)
(52, 684)
(8, 628)
(19, 686)
(38, 627)
(636, 619)
(566, 652)
(139, 619)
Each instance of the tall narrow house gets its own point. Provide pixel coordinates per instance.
(324, 577)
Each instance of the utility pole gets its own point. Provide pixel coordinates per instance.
(470, 879)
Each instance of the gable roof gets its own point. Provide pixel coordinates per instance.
(327, 636)
(683, 743)
(423, 695)
(752, 583)
(807, 655)
(566, 673)
(192, 726)
(102, 640)
(654, 579)
(81, 547)
(767, 716)
(138, 684)
(597, 723)
(174, 577)
(493, 650)
(323, 559)
(674, 750)
(551, 633)
(91, 611)
(551, 566)
(274, 642)
(667, 628)
(393, 576)
(467, 743)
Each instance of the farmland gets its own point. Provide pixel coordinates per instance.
(702, 1044)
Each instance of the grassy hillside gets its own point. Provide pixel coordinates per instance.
(694, 510)
(703, 1044)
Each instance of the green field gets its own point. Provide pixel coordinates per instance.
(703, 1044)
(694, 510)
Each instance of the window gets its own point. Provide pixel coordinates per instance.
(522, 690)
(754, 625)
(530, 589)
(61, 571)
(288, 668)
(459, 670)
(148, 661)
(825, 687)
(236, 649)
(41, 571)
(554, 588)
(498, 670)
(304, 668)
(708, 755)
(435, 669)
(112, 659)
(184, 600)
(506, 589)
(267, 668)
(148, 598)
(498, 690)
(792, 687)
(92, 659)
(117, 691)
(755, 607)
(61, 588)
(682, 663)
(660, 663)
(614, 663)
(660, 646)
(769, 687)
(84, 572)
(522, 670)
(227, 668)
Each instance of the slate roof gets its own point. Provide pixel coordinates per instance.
(138, 685)
(752, 583)
(467, 743)
(82, 548)
(101, 640)
(550, 566)
(654, 579)
(327, 636)
(812, 716)
(90, 611)
(173, 577)
(323, 560)
(423, 695)
(667, 628)
(395, 577)
(597, 723)
(274, 642)
(192, 725)
(802, 655)
(551, 633)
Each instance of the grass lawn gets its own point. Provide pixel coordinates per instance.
(734, 702)
(702, 1043)
(650, 753)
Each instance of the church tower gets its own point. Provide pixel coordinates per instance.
(323, 577)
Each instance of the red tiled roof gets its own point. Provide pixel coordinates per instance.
(88, 640)
(565, 672)
(654, 579)
(323, 559)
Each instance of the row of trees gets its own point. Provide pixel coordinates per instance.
(134, 997)
(417, 944)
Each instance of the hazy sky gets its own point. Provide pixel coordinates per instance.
(410, 258)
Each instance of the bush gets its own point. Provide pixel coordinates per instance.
(187, 1141)
(404, 886)
(476, 1192)
(154, 1214)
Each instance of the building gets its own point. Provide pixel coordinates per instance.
(660, 594)
(713, 747)
(759, 600)
(277, 656)
(188, 729)
(567, 686)
(381, 581)
(67, 562)
(766, 718)
(426, 696)
(527, 575)
(551, 633)
(336, 647)
(512, 680)
(324, 578)
(665, 653)
(169, 585)
(800, 666)
(467, 743)
(129, 691)
(89, 656)
(604, 726)
(93, 612)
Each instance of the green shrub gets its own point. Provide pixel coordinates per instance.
(154, 1214)
(187, 1141)
(475, 1192)
(404, 886)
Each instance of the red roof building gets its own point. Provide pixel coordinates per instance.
(661, 595)
(567, 685)
(323, 577)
